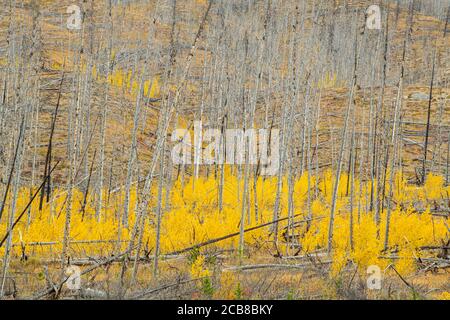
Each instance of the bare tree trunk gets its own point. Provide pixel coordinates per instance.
(342, 148)
(427, 132)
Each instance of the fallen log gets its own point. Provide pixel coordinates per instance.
(272, 266)
(235, 234)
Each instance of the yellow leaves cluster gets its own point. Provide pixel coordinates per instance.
(444, 296)
(192, 216)
(125, 80)
(198, 268)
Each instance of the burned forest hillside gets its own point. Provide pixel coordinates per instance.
(224, 149)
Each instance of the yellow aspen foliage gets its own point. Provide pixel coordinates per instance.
(444, 296)
(192, 216)
(328, 81)
(198, 269)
